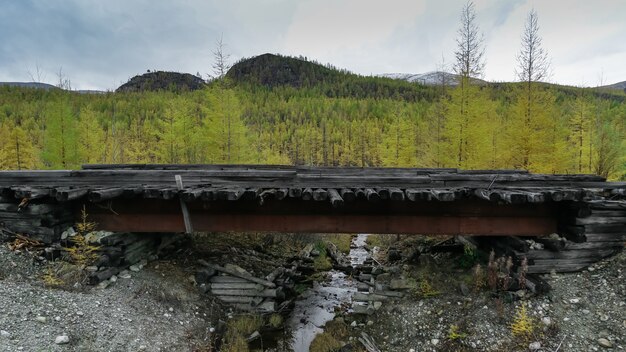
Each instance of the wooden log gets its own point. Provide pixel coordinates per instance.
(243, 292)
(335, 198)
(307, 194)
(132, 191)
(100, 195)
(603, 237)
(597, 220)
(250, 194)
(415, 195)
(68, 194)
(488, 195)
(604, 228)
(442, 195)
(295, 192)
(556, 195)
(570, 253)
(396, 194)
(320, 194)
(190, 195)
(266, 195)
(534, 197)
(608, 213)
(607, 205)
(30, 192)
(152, 192)
(383, 193)
(512, 197)
(281, 193)
(168, 193)
(230, 194)
(275, 274)
(360, 193)
(372, 195)
(208, 195)
(347, 194)
(238, 274)
(599, 244)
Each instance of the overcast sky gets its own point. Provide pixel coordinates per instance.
(101, 44)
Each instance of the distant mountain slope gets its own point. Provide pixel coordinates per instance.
(618, 85)
(272, 71)
(275, 70)
(432, 78)
(36, 85)
(161, 80)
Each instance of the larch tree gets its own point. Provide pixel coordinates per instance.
(531, 119)
(469, 64)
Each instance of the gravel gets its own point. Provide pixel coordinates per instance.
(154, 310)
(584, 311)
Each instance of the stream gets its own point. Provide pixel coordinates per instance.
(317, 305)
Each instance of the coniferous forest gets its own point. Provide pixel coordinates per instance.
(319, 116)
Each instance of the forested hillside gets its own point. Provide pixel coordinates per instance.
(280, 110)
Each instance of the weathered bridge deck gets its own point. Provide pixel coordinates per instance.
(147, 198)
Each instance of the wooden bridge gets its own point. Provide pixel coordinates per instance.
(583, 209)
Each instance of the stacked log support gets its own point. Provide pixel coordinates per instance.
(589, 231)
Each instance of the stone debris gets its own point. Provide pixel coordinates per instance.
(62, 340)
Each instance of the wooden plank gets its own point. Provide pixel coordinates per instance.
(183, 206)
(237, 285)
(264, 307)
(243, 292)
(227, 279)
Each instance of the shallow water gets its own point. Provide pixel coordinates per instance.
(317, 305)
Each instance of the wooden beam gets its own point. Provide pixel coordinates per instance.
(392, 224)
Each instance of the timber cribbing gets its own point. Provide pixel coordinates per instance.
(586, 211)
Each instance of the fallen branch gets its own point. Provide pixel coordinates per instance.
(238, 274)
(368, 343)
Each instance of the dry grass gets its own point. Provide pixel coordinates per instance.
(237, 331)
(335, 331)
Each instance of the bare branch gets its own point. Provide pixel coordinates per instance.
(470, 45)
(220, 57)
(533, 64)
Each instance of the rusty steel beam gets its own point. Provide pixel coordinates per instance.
(393, 224)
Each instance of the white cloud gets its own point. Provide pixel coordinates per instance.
(100, 44)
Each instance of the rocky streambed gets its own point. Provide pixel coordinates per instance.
(319, 304)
